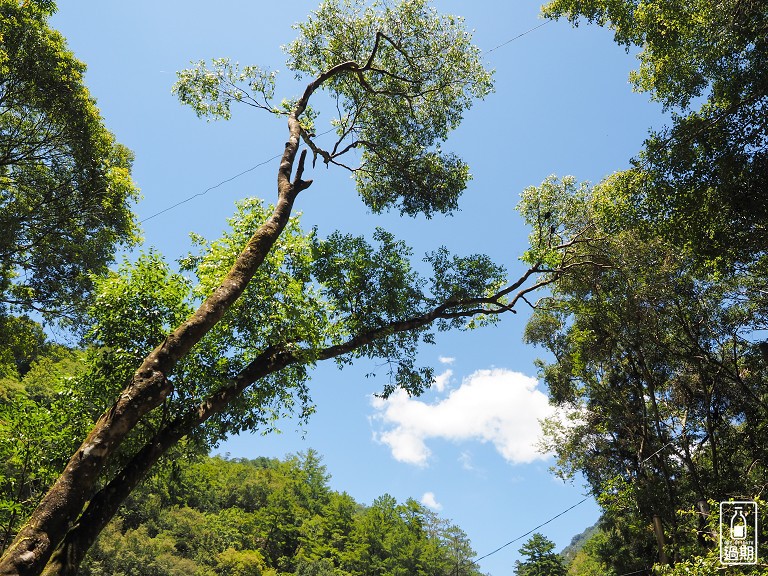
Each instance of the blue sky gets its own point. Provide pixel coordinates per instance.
(562, 106)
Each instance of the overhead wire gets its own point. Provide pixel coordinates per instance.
(204, 192)
(532, 530)
(556, 516)
(500, 548)
(635, 572)
(518, 36)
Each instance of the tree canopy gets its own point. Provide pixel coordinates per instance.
(540, 560)
(700, 181)
(217, 516)
(65, 185)
(662, 371)
(401, 76)
(658, 346)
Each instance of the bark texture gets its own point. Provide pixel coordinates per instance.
(68, 556)
(35, 542)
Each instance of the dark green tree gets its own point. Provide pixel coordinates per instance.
(22, 341)
(661, 371)
(540, 558)
(204, 532)
(699, 182)
(65, 186)
(587, 560)
(675, 334)
(65, 195)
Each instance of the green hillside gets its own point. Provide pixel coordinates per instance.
(250, 517)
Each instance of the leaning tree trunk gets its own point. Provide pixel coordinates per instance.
(37, 539)
(70, 553)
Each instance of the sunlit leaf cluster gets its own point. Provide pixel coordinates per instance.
(210, 90)
(414, 74)
(402, 77)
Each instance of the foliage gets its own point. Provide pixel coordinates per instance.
(691, 50)
(699, 183)
(660, 347)
(402, 77)
(38, 432)
(22, 340)
(583, 554)
(235, 517)
(587, 561)
(540, 560)
(65, 184)
(709, 562)
(557, 211)
(313, 293)
(663, 377)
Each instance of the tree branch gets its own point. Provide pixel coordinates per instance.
(104, 504)
(149, 387)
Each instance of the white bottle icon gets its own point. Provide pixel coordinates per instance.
(738, 524)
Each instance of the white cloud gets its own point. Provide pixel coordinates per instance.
(430, 501)
(466, 460)
(447, 359)
(441, 380)
(497, 406)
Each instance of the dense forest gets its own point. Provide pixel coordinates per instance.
(647, 295)
(242, 517)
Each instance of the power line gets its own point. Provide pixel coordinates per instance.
(635, 572)
(530, 531)
(251, 169)
(477, 560)
(518, 36)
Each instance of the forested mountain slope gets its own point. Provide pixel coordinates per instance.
(235, 517)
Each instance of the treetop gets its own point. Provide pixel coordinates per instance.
(401, 76)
